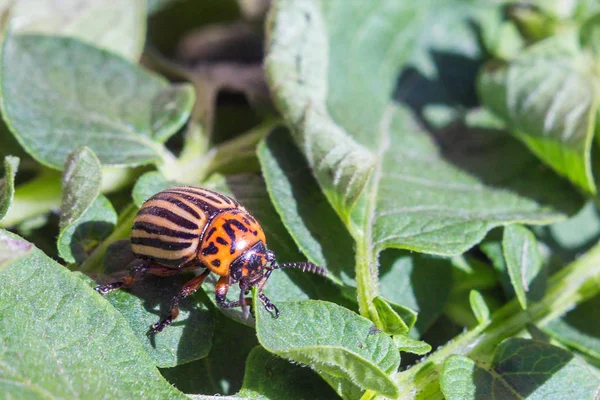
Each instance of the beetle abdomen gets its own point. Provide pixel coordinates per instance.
(169, 225)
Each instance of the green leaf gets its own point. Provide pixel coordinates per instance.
(270, 377)
(117, 26)
(11, 249)
(86, 216)
(579, 329)
(57, 329)
(590, 35)
(548, 96)
(305, 212)
(7, 185)
(521, 369)
(479, 307)
(410, 345)
(59, 94)
(295, 65)
(567, 240)
(493, 250)
(409, 279)
(437, 194)
(148, 185)
(77, 240)
(524, 264)
(222, 371)
(147, 302)
(392, 323)
(456, 191)
(80, 185)
(331, 339)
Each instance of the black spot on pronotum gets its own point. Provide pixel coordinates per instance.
(238, 225)
(210, 249)
(209, 234)
(216, 263)
(222, 241)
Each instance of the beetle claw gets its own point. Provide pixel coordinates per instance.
(159, 326)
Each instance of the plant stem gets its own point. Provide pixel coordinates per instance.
(576, 283)
(93, 264)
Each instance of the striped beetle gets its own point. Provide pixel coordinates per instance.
(187, 228)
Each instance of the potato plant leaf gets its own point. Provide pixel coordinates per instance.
(7, 184)
(527, 273)
(56, 330)
(80, 185)
(392, 322)
(548, 95)
(87, 217)
(147, 302)
(479, 307)
(59, 93)
(304, 210)
(521, 369)
(221, 370)
(409, 345)
(270, 377)
(427, 193)
(324, 336)
(118, 26)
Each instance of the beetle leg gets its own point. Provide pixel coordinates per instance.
(221, 296)
(135, 272)
(126, 281)
(270, 307)
(187, 289)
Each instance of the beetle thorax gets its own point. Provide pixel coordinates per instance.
(228, 236)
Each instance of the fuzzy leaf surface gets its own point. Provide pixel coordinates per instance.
(524, 264)
(59, 330)
(118, 26)
(548, 96)
(521, 369)
(59, 93)
(7, 184)
(323, 335)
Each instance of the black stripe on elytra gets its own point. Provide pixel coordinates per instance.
(203, 193)
(210, 209)
(178, 203)
(169, 215)
(160, 230)
(210, 249)
(160, 244)
(222, 241)
(227, 199)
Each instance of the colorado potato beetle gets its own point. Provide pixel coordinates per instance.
(187, 228)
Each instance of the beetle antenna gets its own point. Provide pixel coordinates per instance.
(304, 266)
